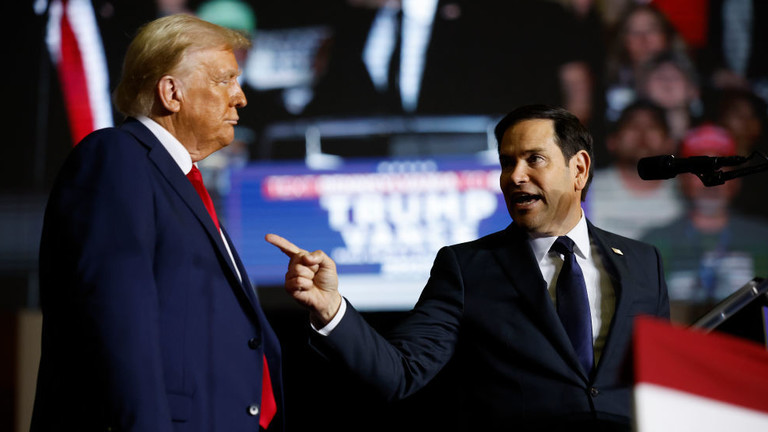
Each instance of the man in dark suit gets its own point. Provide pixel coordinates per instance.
(737, 37)
(149, 320)
(475, 56)
(494, 307)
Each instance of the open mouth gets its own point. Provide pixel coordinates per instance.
(525, 199)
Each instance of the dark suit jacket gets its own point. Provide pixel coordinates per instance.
(346, 87)
(146, 326)
(486, 307)
(483, 56)
(713, 55)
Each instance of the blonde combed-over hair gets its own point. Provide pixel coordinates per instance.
(158, 48)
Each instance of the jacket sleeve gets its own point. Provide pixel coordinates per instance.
(416, 349)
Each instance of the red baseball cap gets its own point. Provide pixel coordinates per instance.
(707, 140)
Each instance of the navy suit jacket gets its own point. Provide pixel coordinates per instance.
(486, 308)
(146, 326)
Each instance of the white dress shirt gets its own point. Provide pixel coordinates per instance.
(599, 287)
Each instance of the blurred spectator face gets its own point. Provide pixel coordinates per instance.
(708, 140)
(668, 86)
(641, 135)
(742, 122)
(644, 37)
(708, 201)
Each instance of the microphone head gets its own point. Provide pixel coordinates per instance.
(656, 167)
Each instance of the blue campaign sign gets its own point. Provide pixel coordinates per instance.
(381, 220)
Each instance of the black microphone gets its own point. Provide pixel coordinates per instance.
(667, 166)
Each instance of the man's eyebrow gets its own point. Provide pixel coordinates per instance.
(526, 152)
(227, 74)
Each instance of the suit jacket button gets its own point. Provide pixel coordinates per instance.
(253, 410)
(254, 342)
(594, 392)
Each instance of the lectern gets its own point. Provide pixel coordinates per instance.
(744, 313)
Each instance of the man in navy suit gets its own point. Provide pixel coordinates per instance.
(149, 320)
(492, 307)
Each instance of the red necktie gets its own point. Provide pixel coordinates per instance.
(196, 178)
(268, 404)
(73, 85)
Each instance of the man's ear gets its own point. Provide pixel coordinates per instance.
(169, 93)
(580, 163)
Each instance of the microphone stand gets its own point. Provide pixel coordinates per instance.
(716, 178)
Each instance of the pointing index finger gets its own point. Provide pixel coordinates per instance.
(283, 244)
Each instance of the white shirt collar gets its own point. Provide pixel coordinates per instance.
(579, 234)
(178, 152)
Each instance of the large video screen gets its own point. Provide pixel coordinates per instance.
(381, 220)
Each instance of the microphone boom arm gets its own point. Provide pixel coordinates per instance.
(719, 177)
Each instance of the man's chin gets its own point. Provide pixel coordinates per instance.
(522, 220)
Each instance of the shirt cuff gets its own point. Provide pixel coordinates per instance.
(328, 328)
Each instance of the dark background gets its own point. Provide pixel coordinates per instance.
(485, 58)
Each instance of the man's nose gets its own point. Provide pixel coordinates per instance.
(238, 99)
(519, 174)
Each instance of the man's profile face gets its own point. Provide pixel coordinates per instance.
(541, 189)
(210, 98)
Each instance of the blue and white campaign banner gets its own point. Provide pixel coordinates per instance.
(381, 220)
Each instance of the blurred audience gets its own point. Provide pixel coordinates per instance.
(712, 250)
(641, 33)
(688, 17)
(742, 113)
(590, 25)
(669, 79)
(619, 200)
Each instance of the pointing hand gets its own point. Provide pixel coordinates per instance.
(311, 280)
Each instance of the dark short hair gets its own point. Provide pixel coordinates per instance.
(570, 135)
(656, 111)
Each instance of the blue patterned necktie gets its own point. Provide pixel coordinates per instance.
(573, 304)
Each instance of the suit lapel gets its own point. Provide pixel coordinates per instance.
(613, 259)
(617, 267)
(518, 262)
(179, 182)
